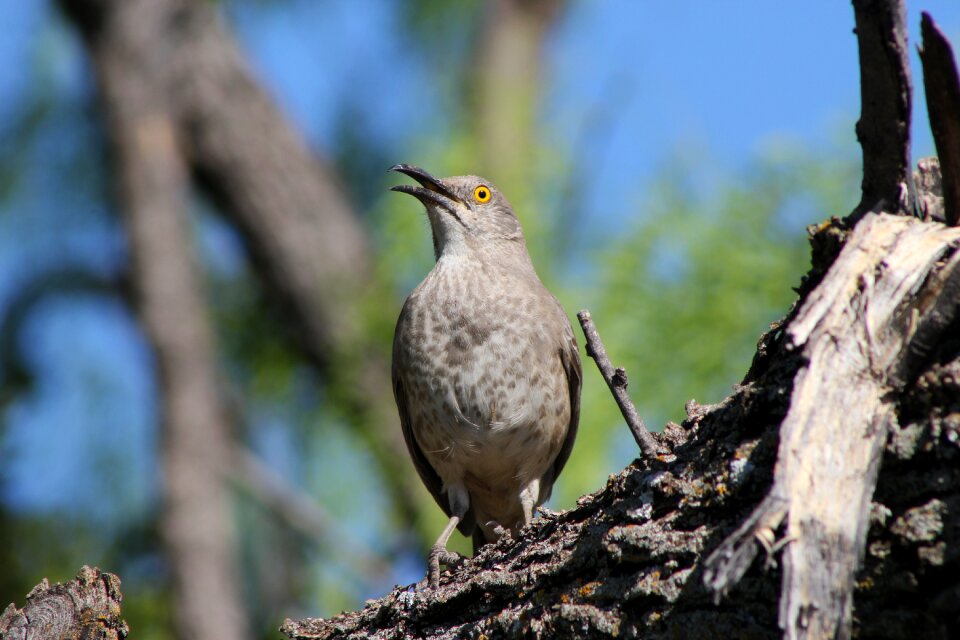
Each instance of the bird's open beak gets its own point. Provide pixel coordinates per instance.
(431, 191)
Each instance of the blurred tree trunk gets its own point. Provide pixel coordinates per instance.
(505, 98)
(181, 105)
(154, 192)
(306, 242)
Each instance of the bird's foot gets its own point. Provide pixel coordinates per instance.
(440, 555)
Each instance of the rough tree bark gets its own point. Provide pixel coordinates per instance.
(839, 452)
(885, 98)
(86, 607)
(854, 333)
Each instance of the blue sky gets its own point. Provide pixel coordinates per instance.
(725, 78)
(718, 80)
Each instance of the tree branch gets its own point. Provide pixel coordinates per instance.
(942, 88)
(616, 380)
(884, 126)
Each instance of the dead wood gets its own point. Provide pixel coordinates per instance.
(885, 102)
(854, 332)
(942, 88)
(86, 607)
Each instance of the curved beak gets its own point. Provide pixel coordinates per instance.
(431, 189)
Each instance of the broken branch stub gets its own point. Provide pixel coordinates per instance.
(942, 88)
(86, 607)
(884, 125)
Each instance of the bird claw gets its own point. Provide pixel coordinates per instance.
(440, 555)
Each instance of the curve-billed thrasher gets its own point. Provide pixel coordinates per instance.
(486, 370)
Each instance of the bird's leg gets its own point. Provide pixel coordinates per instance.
(439, 553)
(528, 502)
(529, 497)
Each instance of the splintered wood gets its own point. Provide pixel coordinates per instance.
(86, 607)
(854, 330)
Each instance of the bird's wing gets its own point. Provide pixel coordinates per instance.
(570, 357)
(426, 472)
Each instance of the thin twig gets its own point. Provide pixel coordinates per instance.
(617, 381)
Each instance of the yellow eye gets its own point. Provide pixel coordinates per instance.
(482, 194)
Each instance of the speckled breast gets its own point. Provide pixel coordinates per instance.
(484, 380)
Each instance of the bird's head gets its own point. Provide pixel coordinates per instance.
(467, 213)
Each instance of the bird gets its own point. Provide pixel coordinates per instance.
(486, 369)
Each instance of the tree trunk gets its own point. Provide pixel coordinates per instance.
(880, 303)
(306, 242)
(153, 185)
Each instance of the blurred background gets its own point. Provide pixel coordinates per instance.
(198, 286)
